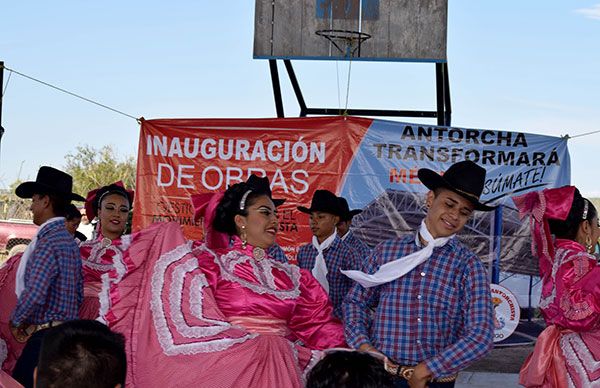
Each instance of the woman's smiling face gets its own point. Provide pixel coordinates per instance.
(113, 213)
(260, 225)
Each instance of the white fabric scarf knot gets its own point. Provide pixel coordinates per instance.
(20, 276)
(319, 271)
(399, 267)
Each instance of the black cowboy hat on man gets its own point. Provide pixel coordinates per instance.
(49, 180)
(464, 178)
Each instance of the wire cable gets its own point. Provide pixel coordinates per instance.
(73, 94)
(337, 73)
(6, 86)
(581, 134)
(348, 85)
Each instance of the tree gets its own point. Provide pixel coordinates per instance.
(92, 168)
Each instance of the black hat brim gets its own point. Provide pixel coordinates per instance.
(304, 209)
(432, 180)
(348, 216)
(278, 201)
(309, 210)
(28, 189)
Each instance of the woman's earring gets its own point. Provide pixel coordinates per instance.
(243, 236)
(588, 244)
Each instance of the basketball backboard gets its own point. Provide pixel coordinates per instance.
(370, 30)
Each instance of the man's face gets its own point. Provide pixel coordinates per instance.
(72, 225)
(84, 219)
(343, 227)
(38, 206)
(448, 213)
(322, 224)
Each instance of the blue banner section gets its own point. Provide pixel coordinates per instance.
(391, 154)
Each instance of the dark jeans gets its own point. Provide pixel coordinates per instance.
(400, 382)
(23, 371)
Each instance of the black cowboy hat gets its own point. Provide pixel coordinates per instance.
(261, 185)
(347, 214)
(49, 181)
(323, 201)
(464, 178)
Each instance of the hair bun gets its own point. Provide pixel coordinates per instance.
(229, 207)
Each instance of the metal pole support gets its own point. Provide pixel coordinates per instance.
(1, 97)
(497, 244)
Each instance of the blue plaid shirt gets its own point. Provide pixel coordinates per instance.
(337, 256)
(360, 249)
(53, 278)
(276, 253)
(440, 312)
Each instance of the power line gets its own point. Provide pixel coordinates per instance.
(72, 94)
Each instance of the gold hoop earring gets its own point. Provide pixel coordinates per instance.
(588, 244)
(243, 236)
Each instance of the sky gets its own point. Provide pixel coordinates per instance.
(521, 66)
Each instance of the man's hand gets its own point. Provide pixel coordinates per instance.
(420, 376)
(19, 332)
(389, 366)
(371, 349)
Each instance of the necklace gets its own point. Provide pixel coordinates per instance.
(106, 242)
(258, 253)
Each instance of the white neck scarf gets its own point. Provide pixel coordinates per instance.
(344, 237)
(20, 276)
(399, 267)
(319, 271)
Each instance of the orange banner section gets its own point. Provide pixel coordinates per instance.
(180, 157)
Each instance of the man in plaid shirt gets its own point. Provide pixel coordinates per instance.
(327, 254)
(49, 281)
(276, 253)
(359, 248)
(432, 312)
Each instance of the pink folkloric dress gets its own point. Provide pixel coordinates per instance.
(567, 352)
(98, 257)
(193, 316)
(10, 349)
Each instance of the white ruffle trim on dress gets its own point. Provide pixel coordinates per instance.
(262, 270)
(159, 316)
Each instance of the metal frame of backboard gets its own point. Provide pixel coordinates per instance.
(1, 97)
(443, 113)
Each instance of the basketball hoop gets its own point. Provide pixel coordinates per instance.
(346, 41)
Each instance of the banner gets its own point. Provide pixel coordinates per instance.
(506, 312)
(373, 163)
(392, 153)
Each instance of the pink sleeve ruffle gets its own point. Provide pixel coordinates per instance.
(313, 321)
(158, 298)
(10, 349)
(578, 293)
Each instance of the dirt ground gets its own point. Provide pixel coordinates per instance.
(503, 360)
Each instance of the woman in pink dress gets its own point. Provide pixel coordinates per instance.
(219, 313)
(565, 230)
(111, 205)
(10, 347)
